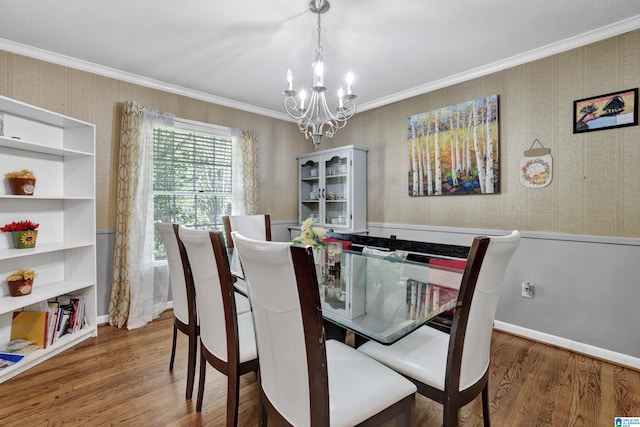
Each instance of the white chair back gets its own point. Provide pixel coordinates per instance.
(167, 232)
(278, 324)
(477, 340)
(251, 226)
(206, 279)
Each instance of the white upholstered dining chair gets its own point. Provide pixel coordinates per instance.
(227, 339)
(453, 369)
(184, 298)
(256, 227)
(304, 379)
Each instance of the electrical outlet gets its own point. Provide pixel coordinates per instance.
(527, 290)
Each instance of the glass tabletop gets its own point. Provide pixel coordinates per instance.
(383, 297)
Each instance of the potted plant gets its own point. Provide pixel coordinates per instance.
(21, 282)
(24, 233)
(23, 183)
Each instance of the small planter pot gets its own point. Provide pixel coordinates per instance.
(19, 288)
(23, 186)
(24, 239)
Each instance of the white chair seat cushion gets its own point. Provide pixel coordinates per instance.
(421, 355)
(360, 387)
(246, 336)
(242, 303)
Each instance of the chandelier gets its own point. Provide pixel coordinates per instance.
(315, 119)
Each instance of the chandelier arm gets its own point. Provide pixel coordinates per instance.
(331, 121)
(291, 107)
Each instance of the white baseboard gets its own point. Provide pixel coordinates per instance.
(578, 347)
(103, 320)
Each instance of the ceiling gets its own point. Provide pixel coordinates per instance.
(237, 53)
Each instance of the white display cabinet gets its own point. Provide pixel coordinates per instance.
(332, 188)
(61, 152)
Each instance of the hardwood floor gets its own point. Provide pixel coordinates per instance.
(122, 378)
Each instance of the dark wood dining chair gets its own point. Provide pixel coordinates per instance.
(306, 380)
(227, 340)
(453, 369)
(184, 298)
(256, 227)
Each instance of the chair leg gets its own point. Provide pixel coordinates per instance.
(191, 368)
(203, 372)
(404, 419)
(450, 415)
(233, 396)
(264, 417)
(485, 405)
(173, 347)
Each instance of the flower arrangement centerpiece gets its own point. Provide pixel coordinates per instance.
(24, 233)
(314, 236)
(23, 183)
(310, 235)
(21, 282)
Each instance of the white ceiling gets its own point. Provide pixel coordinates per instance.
(237, 52)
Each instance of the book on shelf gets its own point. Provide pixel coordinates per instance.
(8, 359)
(413, 296)
(53, 307)
(417, 299)
(68, 312)
(62, 326)
(31, 326)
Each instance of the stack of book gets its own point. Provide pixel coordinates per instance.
(425, 299)
(65, 314)
(418, 299)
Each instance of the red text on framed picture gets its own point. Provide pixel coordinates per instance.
(611, 110)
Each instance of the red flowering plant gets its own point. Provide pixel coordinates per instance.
(20, 226)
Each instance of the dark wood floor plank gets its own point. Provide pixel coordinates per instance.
(626, 393)
(122, 378)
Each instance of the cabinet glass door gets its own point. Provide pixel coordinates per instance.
(310, 190)
(336, 206)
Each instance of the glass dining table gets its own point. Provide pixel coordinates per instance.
(380, 295)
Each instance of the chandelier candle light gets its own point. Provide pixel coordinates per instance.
(317, 119)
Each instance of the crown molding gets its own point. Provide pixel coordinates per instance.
(101, 70)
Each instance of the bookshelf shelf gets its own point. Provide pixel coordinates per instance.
(60, 151)
(64, 342)
(9, 304)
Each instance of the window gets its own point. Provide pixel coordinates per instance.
(192, 175)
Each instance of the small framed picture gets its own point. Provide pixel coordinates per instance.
(608, 111)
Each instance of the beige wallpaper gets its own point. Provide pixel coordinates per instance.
(97, 99)
(596, 176)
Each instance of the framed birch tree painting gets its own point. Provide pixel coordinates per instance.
(454, 150)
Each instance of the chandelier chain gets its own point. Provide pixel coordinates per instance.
(319, 47)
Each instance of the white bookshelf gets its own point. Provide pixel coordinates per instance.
(61, 152)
